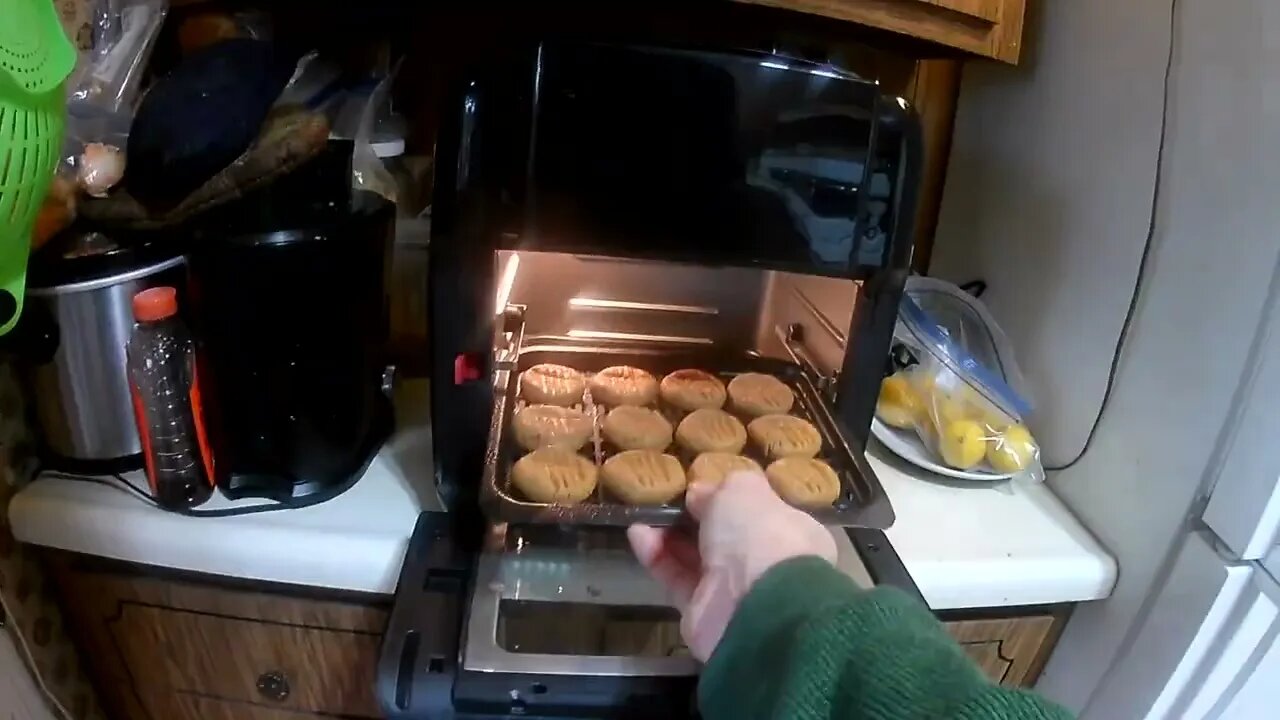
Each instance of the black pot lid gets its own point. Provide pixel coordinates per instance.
(93, 258)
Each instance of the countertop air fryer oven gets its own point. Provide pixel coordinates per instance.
(600, 205)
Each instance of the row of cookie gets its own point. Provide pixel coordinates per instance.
(751, 394)
(640, 428)
(648, 477)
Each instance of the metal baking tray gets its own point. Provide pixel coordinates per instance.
(862, 502)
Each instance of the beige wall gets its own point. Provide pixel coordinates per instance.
(1047, 198)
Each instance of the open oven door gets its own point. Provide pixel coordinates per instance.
(450, 600)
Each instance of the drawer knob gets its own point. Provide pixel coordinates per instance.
(273, 685)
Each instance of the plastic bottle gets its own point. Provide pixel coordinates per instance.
(166, 402)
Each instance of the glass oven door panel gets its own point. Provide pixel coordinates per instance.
(590, 630)
(549, 600)
(722, 159)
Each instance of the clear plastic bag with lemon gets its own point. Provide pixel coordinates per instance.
(965, 412)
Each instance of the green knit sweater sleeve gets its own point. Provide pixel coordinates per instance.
(808, 644)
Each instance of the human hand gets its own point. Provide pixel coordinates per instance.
(744, 530)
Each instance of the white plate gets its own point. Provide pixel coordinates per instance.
(907, 445)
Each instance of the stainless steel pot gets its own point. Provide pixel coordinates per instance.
(73, 338)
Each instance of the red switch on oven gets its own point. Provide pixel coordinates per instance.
(467, 367)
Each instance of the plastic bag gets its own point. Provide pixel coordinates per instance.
(124, 32)
(959, 391)
(367, 170)
(314, 84)
(105, 90)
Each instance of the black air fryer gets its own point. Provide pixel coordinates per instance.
(289, 307)
(599, 205)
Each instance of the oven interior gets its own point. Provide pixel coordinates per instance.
(619, 301)
(559, 594)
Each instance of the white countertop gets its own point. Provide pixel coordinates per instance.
(966, 546)
(971, 545)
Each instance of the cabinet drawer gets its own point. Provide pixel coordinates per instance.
(275, 665)
(1008, 650)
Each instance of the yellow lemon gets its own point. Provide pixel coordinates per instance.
(895, 390)
(948, 409)
(895, 416)
(962, 443)
(1011, 451)
(927, 431)
(991, 417)
(922, 381)
(898, 403)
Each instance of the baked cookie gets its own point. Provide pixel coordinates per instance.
(636, 428)
(549, 384)
(554, 475)
(692, 390)
(538, 426)
(780, 436)
(714, 467)
(711, 431)
(623, 385)
(756, 394)
(804, 482)
(643, 477)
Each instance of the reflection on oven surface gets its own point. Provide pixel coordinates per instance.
(588, 629)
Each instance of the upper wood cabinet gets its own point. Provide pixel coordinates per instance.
(990, 28)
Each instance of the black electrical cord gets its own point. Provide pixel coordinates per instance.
(1146, 252)
(120, 482)
(111, 480)
(384, 425)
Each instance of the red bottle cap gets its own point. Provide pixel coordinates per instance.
(155, 303)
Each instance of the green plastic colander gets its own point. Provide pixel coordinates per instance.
(35, 59)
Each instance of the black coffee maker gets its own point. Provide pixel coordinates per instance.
(289, 305)
(600, 205)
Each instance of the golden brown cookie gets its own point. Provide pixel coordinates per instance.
(643, 477)
(711, 431)
(538, 426)
(549, 384)
(636, 428)
(623, 385)
(755, 394)
(714, 467)
(804, 482)
(692, 390)
(554, 475)
(780, 436)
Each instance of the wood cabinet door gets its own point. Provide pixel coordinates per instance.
(990, 28)
(277, 665)
(1010, 651)
(191, 650)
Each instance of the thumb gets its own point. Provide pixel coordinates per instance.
(741, 483)
(697, 499)
(646, 543)
(670, 557)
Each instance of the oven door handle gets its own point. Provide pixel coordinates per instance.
(418, 661)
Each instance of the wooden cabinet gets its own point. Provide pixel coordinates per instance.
(1010, 650)
(172, 649)
(183, 649)
(989, 28)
